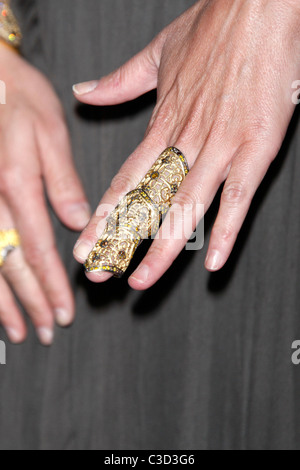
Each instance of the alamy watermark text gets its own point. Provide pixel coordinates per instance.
(2, 92)
(2, 353)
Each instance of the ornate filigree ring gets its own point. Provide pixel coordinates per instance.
(138, 216)
(9, 241)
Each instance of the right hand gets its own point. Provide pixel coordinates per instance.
(35, 150)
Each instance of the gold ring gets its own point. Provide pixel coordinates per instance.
(139, 214)
(9, 241)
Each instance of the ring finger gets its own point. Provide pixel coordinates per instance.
(20, 277)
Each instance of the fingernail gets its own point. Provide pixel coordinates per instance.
(45, 336)
(141, 275)
(213, 260)
(82, 250)
(80, 215)
(63, 317)
(85, 87)
(99, 277)
(14, 335)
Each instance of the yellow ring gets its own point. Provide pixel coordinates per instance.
(9, 241)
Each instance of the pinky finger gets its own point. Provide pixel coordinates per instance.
(246, 174)
(10, 317)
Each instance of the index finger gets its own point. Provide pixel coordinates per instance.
(129, 176)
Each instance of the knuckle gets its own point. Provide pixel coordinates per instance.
(55, 125)
(16, 272)
(64, 184)
(187, 197)
(158, 250)
(224, 232)
(10, 179)
(13, 270)
(36, 255)
(116, 79)
(234, 193)
(258, 129)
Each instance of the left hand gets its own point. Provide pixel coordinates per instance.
(224, 72)
(35, 155)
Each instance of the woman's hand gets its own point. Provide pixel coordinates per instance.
(35, 150)
(224, 72)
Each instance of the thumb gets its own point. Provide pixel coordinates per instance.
(133, 79)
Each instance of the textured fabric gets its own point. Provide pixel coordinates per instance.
(200, 361)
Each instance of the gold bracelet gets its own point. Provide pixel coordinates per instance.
(10, 31)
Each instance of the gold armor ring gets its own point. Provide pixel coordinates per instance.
(139, 214)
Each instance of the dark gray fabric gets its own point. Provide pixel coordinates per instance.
(200, 361)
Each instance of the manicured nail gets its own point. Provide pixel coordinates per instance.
(99, 276)
(213, 260)
(45, 336)
(82, 250)
(80, 215)
(85, 87)
(141, 275)
(63, 317)
(14, 335)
